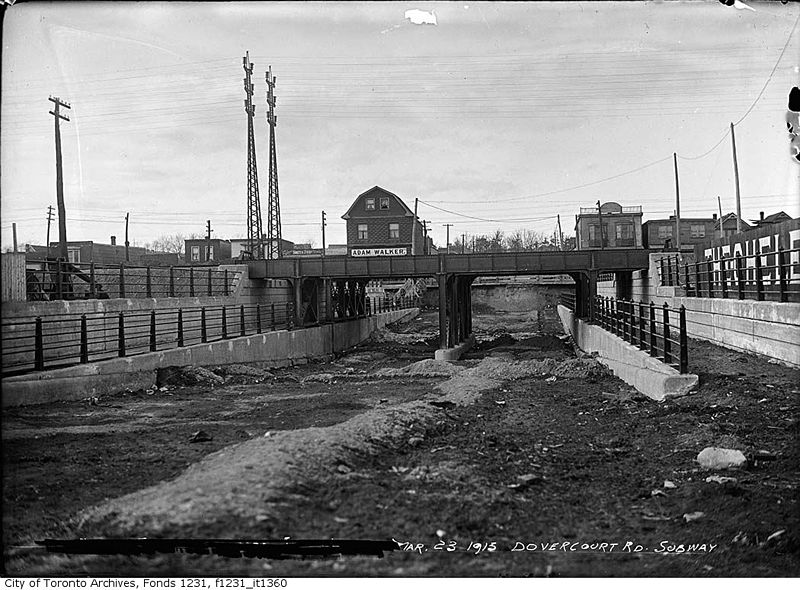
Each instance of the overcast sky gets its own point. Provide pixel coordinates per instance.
(501, 116)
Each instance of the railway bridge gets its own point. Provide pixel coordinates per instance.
(319, 284)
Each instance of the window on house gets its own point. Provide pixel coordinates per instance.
(624, 231)
(664, 231)
(384, 202)
(74, 255)
(210, 252)
(362, 231)
(394, 231)
(195, 253)
(697, 231)
(369, 204)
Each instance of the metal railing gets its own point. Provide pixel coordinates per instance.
(567, 299)
(58, 280)
(769, 276)
(41, 343)
(659, 330)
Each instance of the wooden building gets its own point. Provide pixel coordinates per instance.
(620, 227)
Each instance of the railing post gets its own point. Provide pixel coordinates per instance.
(241, 320)
(59, 280)
(272, 315)
(697, 289)
(122, 280)
(289, 315)
(210, 292)
(225, 286)
(171, 282)
(710, 278)
(149, 283)
(180, 327)
(667, 343)
(652, 327)
(38, 346)
(642, 343)
(121, 334)
(258, 318)
(684, 339)
(153, 331)
(203, 327)
(739, 278)
(84, 340)
(759, 279)
(723, 271)
(224, 323)
(92, 281)
(782, 272)
(191, 281)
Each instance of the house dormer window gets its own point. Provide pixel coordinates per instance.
(384, 202)
(369, 204)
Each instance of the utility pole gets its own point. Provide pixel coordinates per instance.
(463, 242)
(323, 233)
(425, 249)
(127, 244)
(414, 229)
(448, 226)
(62, 211)
(600, 221)
(275, 249)
(208, 240)
(49, 219)
(719, 203)
(677, 205)
(560, 233)
(14, 231)
(255, 234)
(736, 178)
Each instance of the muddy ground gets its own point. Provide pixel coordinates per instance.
(538, 459)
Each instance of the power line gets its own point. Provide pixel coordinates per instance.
(772, 72)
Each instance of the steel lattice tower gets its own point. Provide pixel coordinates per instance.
(255, 235)
(274, 248)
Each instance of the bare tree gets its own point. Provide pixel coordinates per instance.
(173, 244)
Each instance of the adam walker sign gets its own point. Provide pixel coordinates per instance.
(358, 252)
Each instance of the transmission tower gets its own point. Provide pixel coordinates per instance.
(274, 248)
(255, 235)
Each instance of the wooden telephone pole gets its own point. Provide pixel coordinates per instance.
(62, 211)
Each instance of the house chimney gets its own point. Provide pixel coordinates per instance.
(714, 216)
(761, 213)
(113, 240)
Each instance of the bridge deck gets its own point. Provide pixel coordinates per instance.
(513, 263)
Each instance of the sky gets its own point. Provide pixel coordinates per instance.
(499, 116)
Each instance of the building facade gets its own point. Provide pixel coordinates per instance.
(610, 226)
(660, 234)
(379, 223)
(202, 250)
(88, 251)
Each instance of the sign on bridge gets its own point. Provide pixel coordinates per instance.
(360, 252)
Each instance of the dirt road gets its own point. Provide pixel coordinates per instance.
(528, 450)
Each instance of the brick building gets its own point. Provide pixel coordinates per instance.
(86, 251)
(379, 223)
(621, 227)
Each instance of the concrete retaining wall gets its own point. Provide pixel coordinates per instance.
(271, 349)
(637, 368)
(768, 328)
